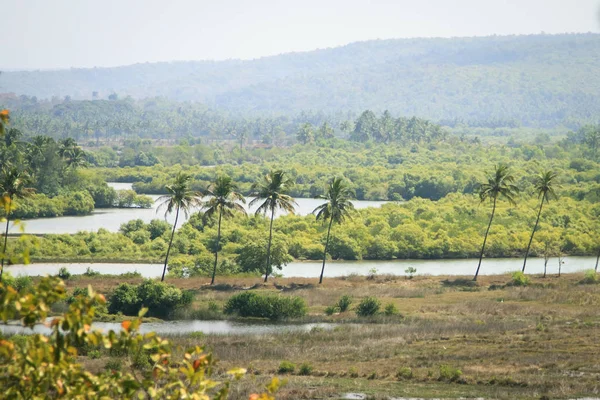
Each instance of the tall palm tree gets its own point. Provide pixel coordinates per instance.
(337, 208)
(272, 189)
(544, 187)
(180, 198)
(499, 184)
(13, 184)
(223, 199)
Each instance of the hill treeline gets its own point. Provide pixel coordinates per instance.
(535, 80)
(128, 119)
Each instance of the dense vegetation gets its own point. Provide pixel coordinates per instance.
(393, 171)
(43, 177)
(536, 80)
(450, 228)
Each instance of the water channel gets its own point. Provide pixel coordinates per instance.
(311, 269)
(112, 218)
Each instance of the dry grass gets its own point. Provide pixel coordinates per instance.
(509, 343)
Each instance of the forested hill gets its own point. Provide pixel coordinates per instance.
(537, 80)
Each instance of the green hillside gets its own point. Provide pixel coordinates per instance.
(536, 80)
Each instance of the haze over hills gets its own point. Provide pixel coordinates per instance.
(536, 80)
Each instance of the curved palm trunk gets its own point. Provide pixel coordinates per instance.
(325, 252)
(212, 281)
(6, 242)
(537, 221)
(485, 239)
(595, 269)
(269, 246)
(170, 243)
(545, 264)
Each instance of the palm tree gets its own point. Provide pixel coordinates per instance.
(13, 184)
(223, 199)
(180, 198)
(4, 119)
(543, 185)
(499, 184)
(336, 209)
(272, 189)
(75, 158)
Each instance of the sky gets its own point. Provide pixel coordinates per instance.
(50, 34)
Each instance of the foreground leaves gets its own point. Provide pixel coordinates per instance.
(46, 366)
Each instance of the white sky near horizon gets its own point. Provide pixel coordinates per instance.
(45, 34)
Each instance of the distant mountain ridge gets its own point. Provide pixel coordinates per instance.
(537, 80)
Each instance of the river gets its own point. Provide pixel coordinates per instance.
(112, 218)
(312, 269)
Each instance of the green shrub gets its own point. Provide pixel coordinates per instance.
(113, 364)
(404, 373)
(353, 372)
(197, 335)
(344, 303)
(94, 354)
(76, 292)
(286, 367)
(368, 306)
(330, 310)
(23, 282)
(124, 299)
(410, 272)
(213, 307)
(273, 307)
(590, 277)
(90, 272)
(390, 309)
(520, 279)
(19, 283)
(160, 298)
(63, 273)
(449, 373)
(305, 369)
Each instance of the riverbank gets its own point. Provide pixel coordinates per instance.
(453, 339)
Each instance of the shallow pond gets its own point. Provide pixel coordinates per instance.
(184, 327)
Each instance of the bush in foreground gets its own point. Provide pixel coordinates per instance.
(273, 307)
(39, 366)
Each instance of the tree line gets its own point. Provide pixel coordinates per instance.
(271, 193)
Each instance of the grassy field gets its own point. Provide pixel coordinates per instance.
(452, 339)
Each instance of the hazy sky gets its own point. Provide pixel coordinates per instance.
(87, 33)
